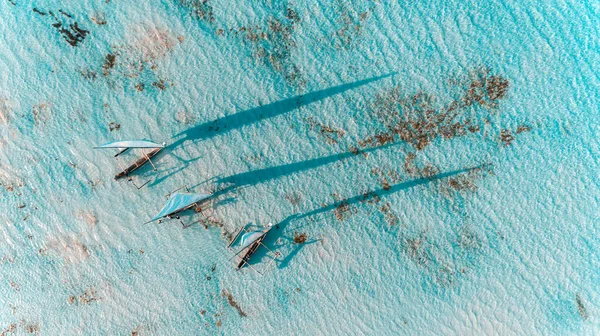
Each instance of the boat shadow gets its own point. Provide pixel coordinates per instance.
(242, 180)
(275, 240)
(227, 123)
(162, 175)
(247, 117)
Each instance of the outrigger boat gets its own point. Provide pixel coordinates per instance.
(249, 242)
(124, 146)
(178, 203)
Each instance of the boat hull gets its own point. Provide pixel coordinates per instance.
(138, 164)
(250, 251)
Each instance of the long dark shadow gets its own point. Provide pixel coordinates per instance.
(262, 175)
(280, 227)
(230, 122)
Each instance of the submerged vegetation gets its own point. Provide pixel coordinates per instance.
(350, 21)
(420, 119)
(200, 9)
(68, 28)
(273, 43)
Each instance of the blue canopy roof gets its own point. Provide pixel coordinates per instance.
(252, 236)
(178, 202)
(131, 144)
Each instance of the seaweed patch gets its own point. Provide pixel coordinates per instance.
(233, 303)
(113, 126)
(27, 327)
(466, 183)
(200, 9)
(507, 137)
(6, 111)
(411, 167)
(581, 307)
(425, 254)
(420, 119)
(273, 45)
(66, 26)
(330, 134)
(88, 296)
(344, 210)
(137, 62)
(98, 18)
(350, 22)
(41, 113)
(300, 238)
(385, 177)
(293, 197)
(390, 217)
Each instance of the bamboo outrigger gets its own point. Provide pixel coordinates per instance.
(178, 203)
(125, 146)
(139, 163)
(249, 243)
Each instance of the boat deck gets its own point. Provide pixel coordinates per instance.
(139, 163)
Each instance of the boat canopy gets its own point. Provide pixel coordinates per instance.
(131, 144)
(178, 202)
(250, 237)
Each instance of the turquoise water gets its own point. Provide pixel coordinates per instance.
(441, 158)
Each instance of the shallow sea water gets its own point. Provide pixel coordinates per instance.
(440, 156)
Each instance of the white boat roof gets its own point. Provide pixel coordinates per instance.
(131, 144)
